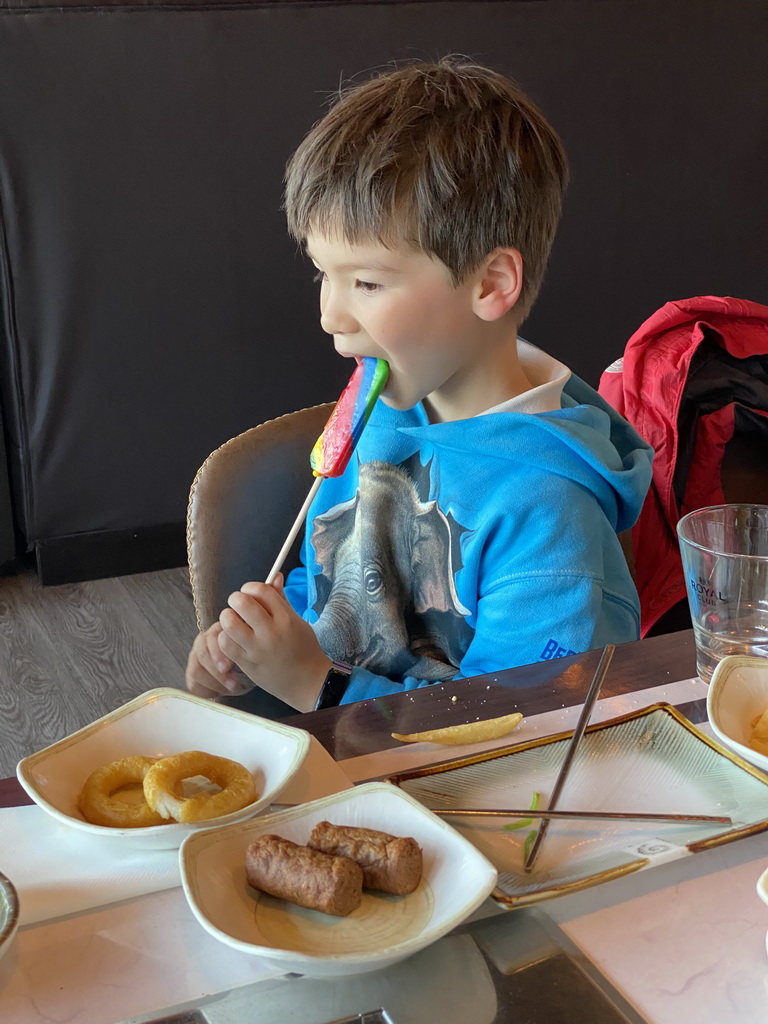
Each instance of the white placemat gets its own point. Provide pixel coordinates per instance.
(59, 870)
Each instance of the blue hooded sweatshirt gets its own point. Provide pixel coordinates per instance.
(455, 549)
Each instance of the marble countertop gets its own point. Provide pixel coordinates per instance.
(684, 941)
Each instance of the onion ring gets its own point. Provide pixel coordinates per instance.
(102, 803)
(162, 786)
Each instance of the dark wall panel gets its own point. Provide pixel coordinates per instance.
(152, 305)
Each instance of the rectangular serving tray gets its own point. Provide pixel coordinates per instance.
(652, 760)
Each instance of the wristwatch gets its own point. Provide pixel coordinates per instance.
(334, 687)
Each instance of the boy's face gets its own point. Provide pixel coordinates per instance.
(400, 305)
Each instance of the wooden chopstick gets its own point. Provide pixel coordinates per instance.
(548, 814)
(578, 732)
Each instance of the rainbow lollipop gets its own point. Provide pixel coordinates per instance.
(333, 449)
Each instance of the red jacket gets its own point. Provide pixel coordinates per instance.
(688, 376)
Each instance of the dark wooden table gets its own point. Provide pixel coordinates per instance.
(363, 728)
(532, 689)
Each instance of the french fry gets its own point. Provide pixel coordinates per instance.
(760, 726)
(470, 732)
(758, 739)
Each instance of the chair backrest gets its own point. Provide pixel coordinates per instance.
(243, 501)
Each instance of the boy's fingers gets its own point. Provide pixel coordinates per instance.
(234, 628)
(209, 670)
(253, 589)
(277, 584)
(216, 657)
(198, 689)
(200, 652)
(207, 655)
(232, 644)
(268, 595)
(199, 681)
(257, 602)
(254, 607)
(207, 683)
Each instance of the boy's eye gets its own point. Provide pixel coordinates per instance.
(367, 286)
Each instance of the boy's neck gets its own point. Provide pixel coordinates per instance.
(493, 380)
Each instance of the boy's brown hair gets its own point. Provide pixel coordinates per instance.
(450, 158)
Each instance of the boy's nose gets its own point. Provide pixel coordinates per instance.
(334, 318)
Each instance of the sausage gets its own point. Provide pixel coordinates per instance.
(303, 876)
(389, 863)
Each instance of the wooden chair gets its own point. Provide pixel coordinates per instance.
(242, 504)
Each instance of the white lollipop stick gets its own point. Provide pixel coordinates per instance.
(294, 531)
(335, 445)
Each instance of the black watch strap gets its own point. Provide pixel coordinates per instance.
(334, 687)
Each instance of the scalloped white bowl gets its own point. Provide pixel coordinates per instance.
(9, 913)
(738, 693)
(384, 929)
(762, 892)
(158, 723)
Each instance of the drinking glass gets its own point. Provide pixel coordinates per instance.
(725, 560)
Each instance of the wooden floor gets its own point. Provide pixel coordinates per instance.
(70, 654)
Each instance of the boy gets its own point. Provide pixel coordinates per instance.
(476, 526)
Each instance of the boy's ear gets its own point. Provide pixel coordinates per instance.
(499, 283)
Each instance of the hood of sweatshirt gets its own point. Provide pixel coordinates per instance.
(585, 441)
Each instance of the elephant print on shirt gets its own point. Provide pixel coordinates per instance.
(387, 598)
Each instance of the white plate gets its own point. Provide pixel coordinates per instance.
(737, 694)
(383, 930)
(158, 723)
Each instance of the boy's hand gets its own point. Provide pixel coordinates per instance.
(209, 671)
(275, 647)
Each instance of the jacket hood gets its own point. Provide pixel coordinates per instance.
(690, 376)
(585, 441)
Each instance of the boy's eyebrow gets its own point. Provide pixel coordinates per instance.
(365, 264)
